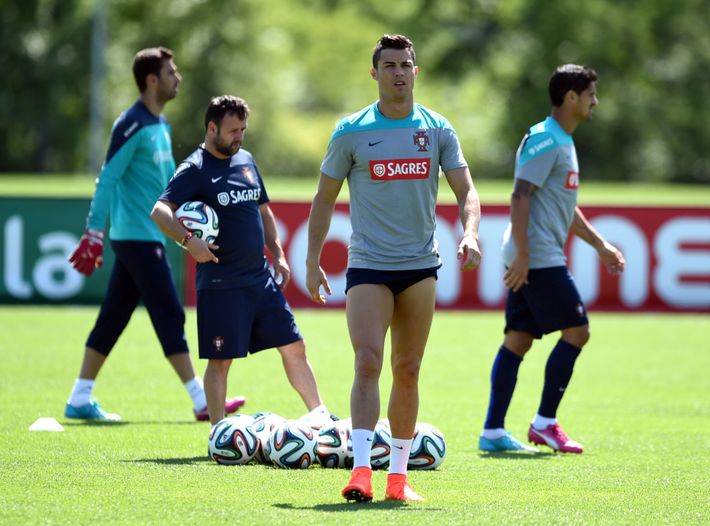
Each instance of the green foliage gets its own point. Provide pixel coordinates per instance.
(303, 64)
(638, 402)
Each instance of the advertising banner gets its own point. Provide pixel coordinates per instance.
(667, 253)
(37, 235)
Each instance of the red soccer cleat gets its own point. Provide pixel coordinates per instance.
(359, 488)
(399, 489)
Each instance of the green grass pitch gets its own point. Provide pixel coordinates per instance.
(639, 401)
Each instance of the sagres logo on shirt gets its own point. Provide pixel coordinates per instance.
(572, 182)
(387, 170)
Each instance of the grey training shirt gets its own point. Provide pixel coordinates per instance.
(392, 168)
(546, 158)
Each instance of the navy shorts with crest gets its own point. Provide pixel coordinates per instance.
(549, 302)
(232, 323)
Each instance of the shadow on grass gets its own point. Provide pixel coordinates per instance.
(191, 461)
(95, 423)
(170, 461)
(110, 423)
(343, 507)
(541, 455)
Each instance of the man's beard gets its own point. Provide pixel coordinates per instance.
(225, 148)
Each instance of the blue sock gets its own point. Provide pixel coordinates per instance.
(558, 372)
(504, 375)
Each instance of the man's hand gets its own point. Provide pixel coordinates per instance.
(517, 273)
(88, 255)
(612, 258)
(315, 277)
(468, 253)
(282, 272)
(201, 250)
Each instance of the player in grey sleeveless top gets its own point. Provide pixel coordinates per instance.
(390, 153)
(542, 297)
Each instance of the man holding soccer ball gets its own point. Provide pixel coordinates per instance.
(390, 152)
(240, 306)
(542, 297)
(138, 164)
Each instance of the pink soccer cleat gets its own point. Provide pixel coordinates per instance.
(554, 437)
(231, 405)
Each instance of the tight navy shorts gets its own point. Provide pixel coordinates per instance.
(549, 302)
(395, 280)
(232, 323)
(141, 272)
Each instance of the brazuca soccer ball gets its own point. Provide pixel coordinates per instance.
(381, 445)
(292, 445)
(232, 440)
(200, 219)
(264, 424)
(428, 447)
(335, 446)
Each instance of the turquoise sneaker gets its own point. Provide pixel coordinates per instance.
(90, 411)
(504, 443)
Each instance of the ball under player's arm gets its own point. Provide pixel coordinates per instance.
(163, 215)
(282, 272)
(459, 179)
(318, 224)
(612, 257)
(517, 273)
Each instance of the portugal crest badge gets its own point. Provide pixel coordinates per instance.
(248, 174)
(421, 141)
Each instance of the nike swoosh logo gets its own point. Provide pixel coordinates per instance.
(373, 143)
(215, 179)
(369, 440)
(399, 447)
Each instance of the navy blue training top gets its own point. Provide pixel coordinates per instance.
(233, 187)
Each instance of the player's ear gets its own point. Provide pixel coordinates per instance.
(151, 79)
(571, 96)
(416, 71)
(373, 73)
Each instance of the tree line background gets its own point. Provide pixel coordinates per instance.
(303, 64)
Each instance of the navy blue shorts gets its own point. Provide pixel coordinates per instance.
(232, 323)
(395, 280)
(141, 272)
(549, 302)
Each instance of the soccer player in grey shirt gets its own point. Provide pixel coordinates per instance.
(390, 152)
(542, 297)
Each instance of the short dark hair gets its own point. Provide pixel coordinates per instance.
(569, 77)
(147, 61)
(392, 42)
(224, 104)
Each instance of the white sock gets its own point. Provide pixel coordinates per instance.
(492, 434)
(196, 390)
(81, 393)
(399, 455)
(321, 410)
(362, 447)
(541, 422)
